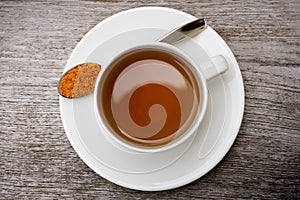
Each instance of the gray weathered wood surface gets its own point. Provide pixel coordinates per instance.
(37, 160)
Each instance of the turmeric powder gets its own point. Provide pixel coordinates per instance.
(79, 81)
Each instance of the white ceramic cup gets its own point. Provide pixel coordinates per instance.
(214, 67)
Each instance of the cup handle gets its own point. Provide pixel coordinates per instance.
(216, 66)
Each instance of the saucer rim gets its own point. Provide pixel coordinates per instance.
(132, 186)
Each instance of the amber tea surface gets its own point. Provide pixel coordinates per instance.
(150, 97)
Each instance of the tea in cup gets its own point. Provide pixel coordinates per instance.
(151, 97)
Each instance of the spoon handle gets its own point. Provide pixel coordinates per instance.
(190, 29)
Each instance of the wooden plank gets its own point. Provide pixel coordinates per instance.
(37, 161)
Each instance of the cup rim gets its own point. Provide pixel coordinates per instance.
(201, 81)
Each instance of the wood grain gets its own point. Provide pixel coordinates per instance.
(37, 161)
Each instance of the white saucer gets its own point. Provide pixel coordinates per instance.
(175, 167)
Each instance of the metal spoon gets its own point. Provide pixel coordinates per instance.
(80, 80)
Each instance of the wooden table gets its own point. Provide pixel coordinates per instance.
(36, 158)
